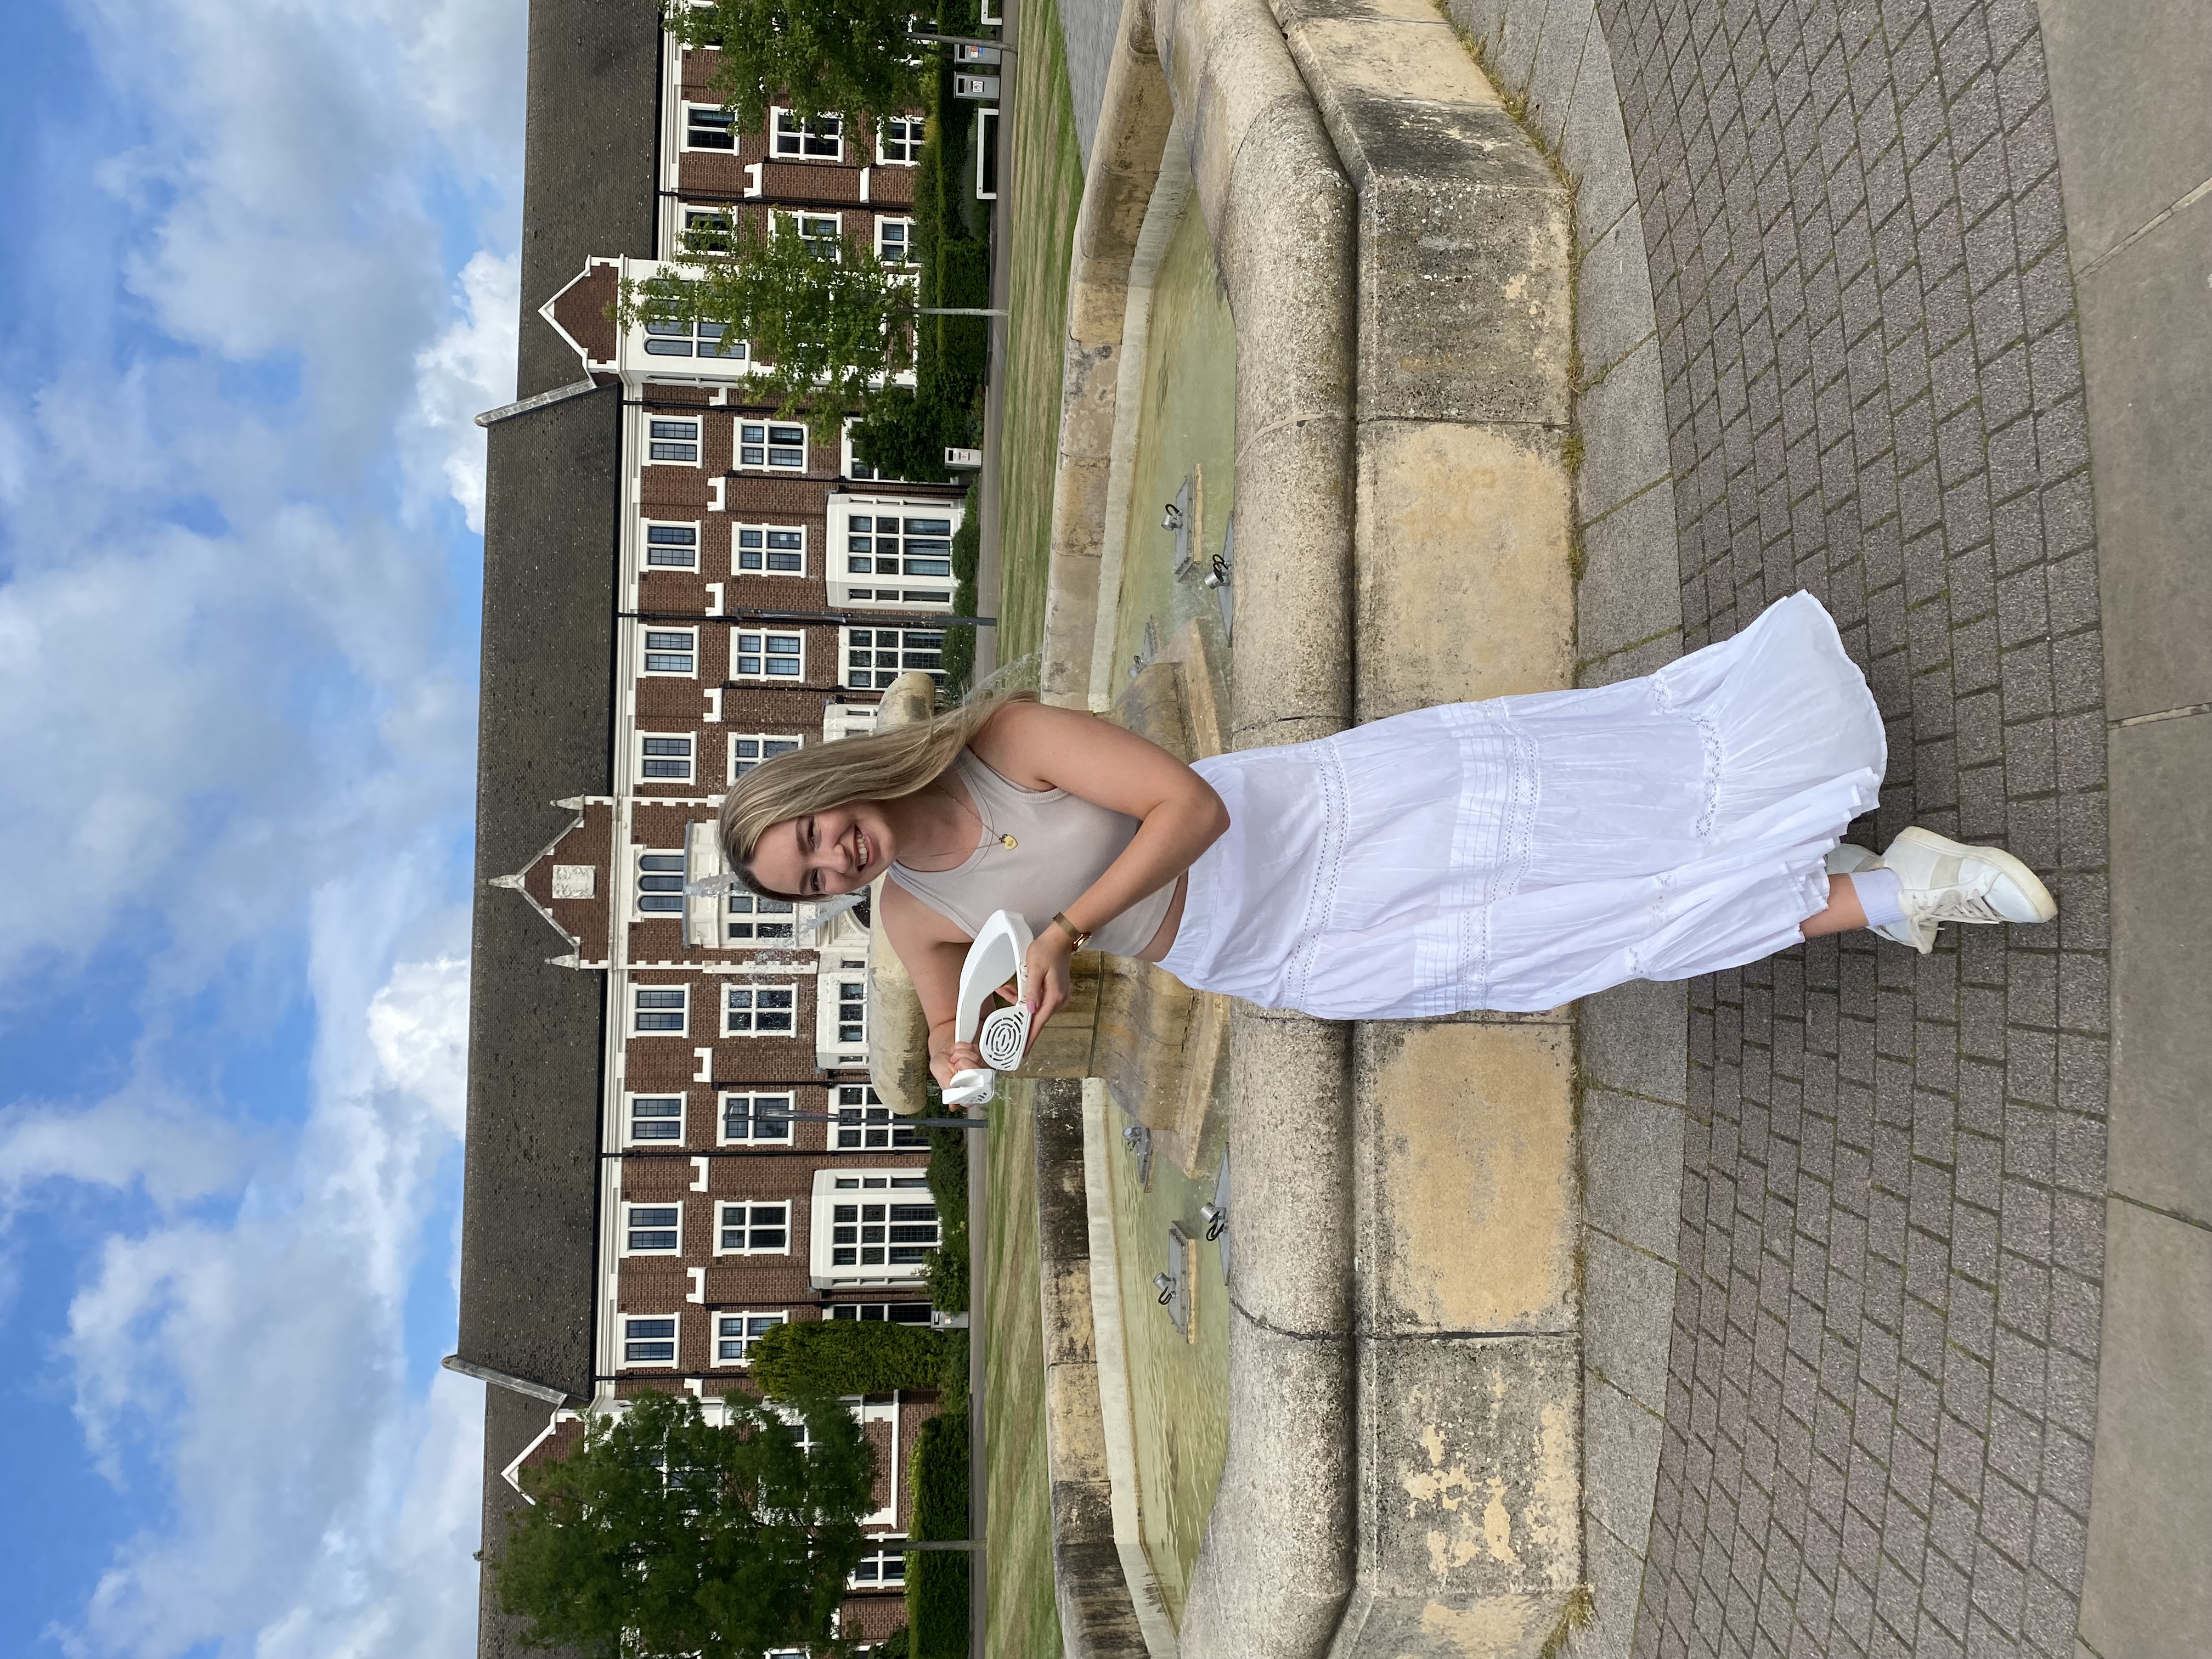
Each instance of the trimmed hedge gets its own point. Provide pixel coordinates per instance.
(848, 1355)
(948, 1186)
(960, 642)
(936, 1580)
(904, 434)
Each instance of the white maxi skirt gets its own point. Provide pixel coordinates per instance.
(1516, 854)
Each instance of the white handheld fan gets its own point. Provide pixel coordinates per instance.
(999, 953)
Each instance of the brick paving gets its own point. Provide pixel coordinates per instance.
(1882, 1385)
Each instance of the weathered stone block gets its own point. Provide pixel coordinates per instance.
(1289, 1143)
(1464, 309)
(1470, 1529)
(1467, 1212)
(1284, 245)
(1463, 579)
(1293, 573)
(1274, 1569)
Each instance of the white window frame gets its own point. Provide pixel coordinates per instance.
(831, 987)
(886, 1554)
(730, 148)
(850, 465)
(746, 1338)
(912, 142)
(809, 223)
(680, 1123)
(743, 909)
(640, 911)
(738, 549)
(641, 756)
(785, 127)
(682, 1011)
(764, 656)
(749, 1205)
(733, 759)
(873, 1127)
(629, 1226)
(697, 440)
(768, 444)
(847, 647)
(906, 263)
(986, 142)
(756, 987)
(700, 338)
(646, 545)
(862, 590)
(648, 633)
(754, 1099)
(674, 1339)
(857, 1312)
(868, 1186)
(724, 214)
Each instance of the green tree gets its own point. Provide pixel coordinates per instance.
(828, 323)
(663, 1535)
(816, 58)
(904, 436)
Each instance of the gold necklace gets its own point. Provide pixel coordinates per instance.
(975, 807)
(977, 813)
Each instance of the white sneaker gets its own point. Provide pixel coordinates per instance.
(1848, 858)
(1944, 880)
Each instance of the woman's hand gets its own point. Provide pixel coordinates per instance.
(960, 1057)
(1046, 967)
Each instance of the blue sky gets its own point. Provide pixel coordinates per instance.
(258, 274)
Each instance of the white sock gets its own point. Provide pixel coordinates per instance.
(1881, 895)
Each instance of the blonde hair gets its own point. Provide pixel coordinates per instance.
(882, 766)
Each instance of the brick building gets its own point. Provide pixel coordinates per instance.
(677, 585)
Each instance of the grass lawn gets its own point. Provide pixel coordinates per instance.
(1046, 189)
(1024, 1623)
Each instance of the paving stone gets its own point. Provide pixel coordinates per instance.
(1891, 1166)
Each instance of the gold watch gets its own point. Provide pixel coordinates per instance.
(1081, 936)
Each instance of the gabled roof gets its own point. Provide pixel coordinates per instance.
(580, 313)
(581, 915)
(545, 729)
(545, 726)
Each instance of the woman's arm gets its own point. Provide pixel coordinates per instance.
(933, 950)
(1179, 815)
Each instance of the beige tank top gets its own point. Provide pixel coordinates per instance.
(1062, 844)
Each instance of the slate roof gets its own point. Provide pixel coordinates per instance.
(546, 733)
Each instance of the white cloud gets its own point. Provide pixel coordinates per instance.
(237, 719)
(314, 1505)
(299, 162)
(466, 370)
(144, 1137)
(227, 664)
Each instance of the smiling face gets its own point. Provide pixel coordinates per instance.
(840, 849)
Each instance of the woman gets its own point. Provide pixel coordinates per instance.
(1511, 854)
